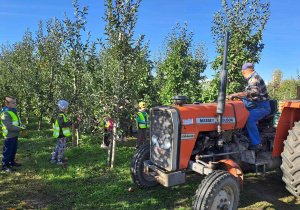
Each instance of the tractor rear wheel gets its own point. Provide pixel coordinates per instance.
(218, 190)
(137, 168)
(291, 161)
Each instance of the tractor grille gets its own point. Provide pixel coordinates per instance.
(164, 132)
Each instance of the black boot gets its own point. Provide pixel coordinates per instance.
(8, 169)
(255, 147)
(15, 164)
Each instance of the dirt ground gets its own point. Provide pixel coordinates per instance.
(267, 192)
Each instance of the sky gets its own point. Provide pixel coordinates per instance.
(156, 19)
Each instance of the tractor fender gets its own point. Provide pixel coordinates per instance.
(234, 169)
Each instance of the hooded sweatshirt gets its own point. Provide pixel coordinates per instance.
(13, 131)
(62, 124)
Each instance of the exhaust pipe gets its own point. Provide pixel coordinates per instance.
(222, 88)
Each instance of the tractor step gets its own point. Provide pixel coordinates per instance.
(261, 162)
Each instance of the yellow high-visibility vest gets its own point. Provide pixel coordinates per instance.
(15, 121)
(66, 131)
(141, 125)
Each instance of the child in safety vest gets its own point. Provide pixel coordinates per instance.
(61, 131)
(107, 134)
(143, 123)
(11, 127)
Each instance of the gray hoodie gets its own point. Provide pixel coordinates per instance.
(13, 131)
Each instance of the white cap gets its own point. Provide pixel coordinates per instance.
(62, 104)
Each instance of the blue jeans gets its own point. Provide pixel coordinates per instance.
(256, 113)
(9, 150)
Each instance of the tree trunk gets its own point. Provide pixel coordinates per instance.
(40, 122)
(20, 113)
(27, 117)
(73, 135)
(50, 82)
(78, 136)
(109, 154)
(113, 155)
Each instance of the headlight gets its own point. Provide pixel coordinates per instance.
(154, 139)
(167, 142)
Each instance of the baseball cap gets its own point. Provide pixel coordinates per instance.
(247, 66)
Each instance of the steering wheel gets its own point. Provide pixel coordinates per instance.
(246, 99)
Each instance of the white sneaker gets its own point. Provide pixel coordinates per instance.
(124, 139)
(59, 162)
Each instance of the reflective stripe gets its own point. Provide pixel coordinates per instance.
(66, 131)
(15, 121)
(56, 128)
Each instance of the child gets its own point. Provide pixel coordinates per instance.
(143, 123)
(107, 134)
(61, 131)
(11, 127)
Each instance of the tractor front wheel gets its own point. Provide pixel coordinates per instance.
(218, 190)
(137, 168)
(291, 161)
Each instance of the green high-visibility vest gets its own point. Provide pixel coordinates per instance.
(141, 125)
(107, 124)
(101, 124)
(15, 121)
(66, 131)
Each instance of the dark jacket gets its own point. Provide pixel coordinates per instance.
(62, 124)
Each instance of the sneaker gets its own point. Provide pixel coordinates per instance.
(15, 164)
(104, 146)
(59, 162)
(124, 139)
(8, 169)
(255, 147)
(52, 161)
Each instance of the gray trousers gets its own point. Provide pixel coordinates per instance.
(142, 136)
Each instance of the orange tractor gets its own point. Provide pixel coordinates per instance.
(211, 139)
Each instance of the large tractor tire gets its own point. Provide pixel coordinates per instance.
(137, 168)
(291, 161)
(218, 190)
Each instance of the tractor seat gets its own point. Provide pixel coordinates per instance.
(274, 109)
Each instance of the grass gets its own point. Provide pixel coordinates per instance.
(87, 183)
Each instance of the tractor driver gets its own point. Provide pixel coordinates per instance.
(256, 91)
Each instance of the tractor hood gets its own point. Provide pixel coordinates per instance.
(205, 117)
